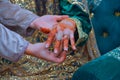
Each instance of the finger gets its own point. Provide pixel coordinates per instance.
(60, 49)
(50, 56)
(72, 40)
(59, 36)
(66, 38)
(62, 57)
(59, 18)
(65, 42)
(57, 46)
(61, 46)
(51, 37)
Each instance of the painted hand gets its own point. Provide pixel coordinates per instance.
(62, 34)
(46, 23)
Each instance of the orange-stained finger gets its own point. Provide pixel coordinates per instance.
(59, 37)
(51, 37)
(45, 30)
(72, 41)
(65, 42)
(57, 46)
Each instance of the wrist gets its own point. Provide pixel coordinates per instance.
(34, 24)
(28, 50)
(72, 21)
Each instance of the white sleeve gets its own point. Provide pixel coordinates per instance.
(12, 45)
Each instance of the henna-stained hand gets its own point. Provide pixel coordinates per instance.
(62, 33)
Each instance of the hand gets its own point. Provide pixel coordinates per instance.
(38, 50)
(46, 23)
(64, 30)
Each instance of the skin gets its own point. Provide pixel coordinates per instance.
(38, 50)
(64, 32)
(46, 24)
(60, 29)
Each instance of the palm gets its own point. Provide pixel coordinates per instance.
(40, 51)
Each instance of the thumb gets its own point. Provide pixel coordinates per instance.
(59, 18)
(61, 57)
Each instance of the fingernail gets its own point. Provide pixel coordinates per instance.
(47, 45)
(74, 48)
(66, 49)
(55, 51)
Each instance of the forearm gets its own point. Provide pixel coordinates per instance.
(12, 45)
(16, 18)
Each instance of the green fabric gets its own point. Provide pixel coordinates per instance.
(79, 14)
(106, 67)
(81, 34)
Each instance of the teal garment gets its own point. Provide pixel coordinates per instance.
(106, 24)
(76, 10)
(106, 67)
